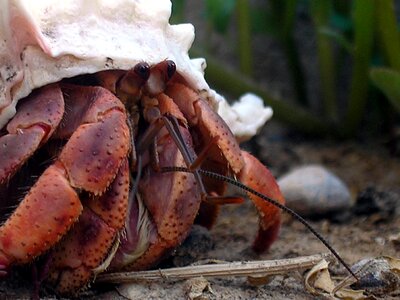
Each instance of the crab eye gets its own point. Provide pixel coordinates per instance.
(171, 68)
(142, 70)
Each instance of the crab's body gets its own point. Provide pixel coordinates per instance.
(98, 124)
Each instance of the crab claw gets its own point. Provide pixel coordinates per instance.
(83, 251)
(256, 176)
(32, 229)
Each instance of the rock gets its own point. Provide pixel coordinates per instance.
(314, 191)
(384, 204)
(377, 276)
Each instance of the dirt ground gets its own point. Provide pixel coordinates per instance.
(353, 236)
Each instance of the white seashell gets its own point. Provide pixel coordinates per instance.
(313, 190)
(43, 41)
(245, 116)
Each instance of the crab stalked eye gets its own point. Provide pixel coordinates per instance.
(142, 70)
(171, 68)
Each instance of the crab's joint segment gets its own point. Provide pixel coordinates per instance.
(30, 128)
(202, 156)
(172, 125)
(256, 176)
(222, 200)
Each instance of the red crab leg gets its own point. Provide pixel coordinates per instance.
(212, 131)
(172, 199)
(90, 160)
(32, 229)
(255, 175)
(90, 240)
(250, 170)
(210, 125)
(33, 124)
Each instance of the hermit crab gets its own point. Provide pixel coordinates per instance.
(97, 101)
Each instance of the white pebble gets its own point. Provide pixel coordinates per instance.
(313, 190)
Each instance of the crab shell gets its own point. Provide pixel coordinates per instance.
(44, 41)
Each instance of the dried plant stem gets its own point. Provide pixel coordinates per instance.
(250, 268)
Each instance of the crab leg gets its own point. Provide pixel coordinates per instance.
(213, 134)
(172, 199)
(249, 170)
(256, 176)
(210, 125)
(90, 161)
(35, 121)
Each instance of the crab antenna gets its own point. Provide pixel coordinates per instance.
(270, 200)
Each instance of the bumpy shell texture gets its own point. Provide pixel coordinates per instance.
(44, 41)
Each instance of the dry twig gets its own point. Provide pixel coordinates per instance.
(250, 268)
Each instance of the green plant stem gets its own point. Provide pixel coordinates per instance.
(363, 17)
(320, 10)
(291, 53)
(244, 36)
(388, 32)
(284, 14)
(225, 78)
(296, 71)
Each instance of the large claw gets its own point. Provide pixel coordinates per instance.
(95, 151)
(86, 246)
(36, 119)
(256, 176)
(33, 228)
(90, 161)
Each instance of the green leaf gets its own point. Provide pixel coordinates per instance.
(388, 32)
(219, 13)
(337, 37)
(388, 81)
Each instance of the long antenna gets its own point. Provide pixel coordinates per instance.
(268, 199)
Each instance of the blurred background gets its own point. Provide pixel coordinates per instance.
(328, 68)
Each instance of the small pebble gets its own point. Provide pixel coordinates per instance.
(314, 191)
(198, 288)
(375, 276)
